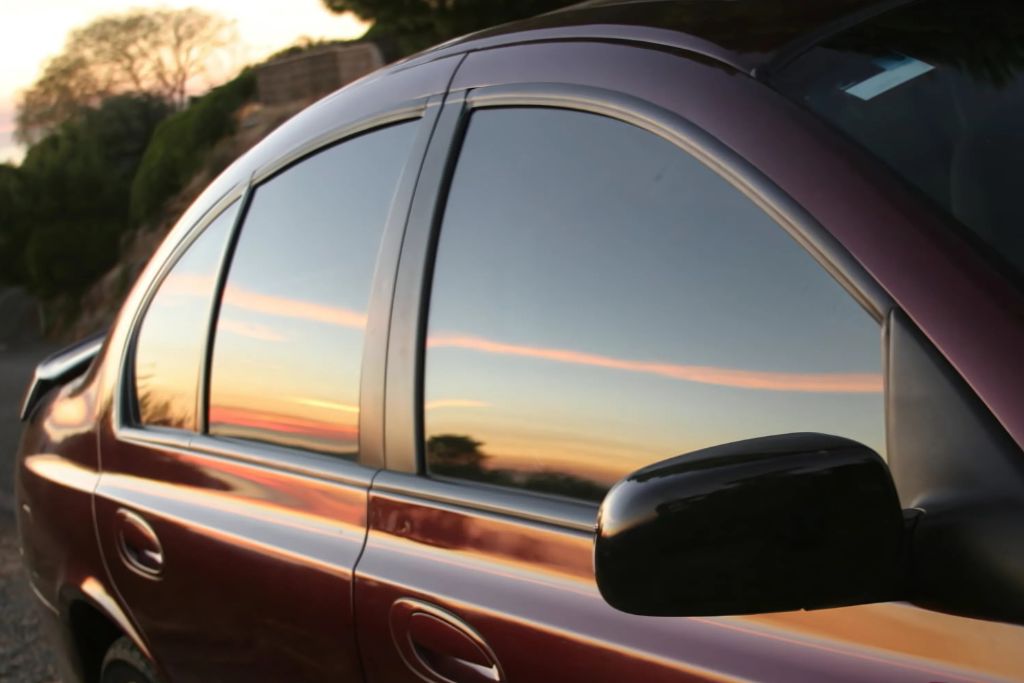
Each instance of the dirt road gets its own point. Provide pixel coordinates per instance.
(24, 654)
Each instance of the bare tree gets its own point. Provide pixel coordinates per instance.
(161, 52)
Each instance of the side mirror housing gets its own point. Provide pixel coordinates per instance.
(798, 521)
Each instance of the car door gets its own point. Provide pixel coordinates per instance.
(605, 285)
(232, 505)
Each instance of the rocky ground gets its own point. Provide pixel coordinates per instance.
(25, 656)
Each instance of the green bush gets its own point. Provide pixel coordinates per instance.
(181, 142)
(74, 191)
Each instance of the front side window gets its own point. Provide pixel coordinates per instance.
(289, 335)
(171, 345)
(602, 300)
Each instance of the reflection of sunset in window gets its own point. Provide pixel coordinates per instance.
(171, 342)
(288, 345)
(615, 302)
(824, 382)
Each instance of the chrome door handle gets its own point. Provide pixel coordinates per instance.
(441, 647)
(138, 545)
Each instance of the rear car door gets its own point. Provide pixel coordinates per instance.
(604, 286)
(231, 507)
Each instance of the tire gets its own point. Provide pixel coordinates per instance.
(124, 663)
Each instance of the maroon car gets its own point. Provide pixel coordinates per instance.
(403, 395)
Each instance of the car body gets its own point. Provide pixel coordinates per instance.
(368, 533)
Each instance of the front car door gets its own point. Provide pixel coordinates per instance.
(610, 285)
(237, 456)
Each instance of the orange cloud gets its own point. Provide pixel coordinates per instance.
(293, 308)
(251, 330)
(267, 421)
(188, 284)
(826, 382)
(329, 405)
(455, 403)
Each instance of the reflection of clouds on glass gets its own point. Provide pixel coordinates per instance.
(172, 339)
(285, 307)
(252, 330)
(454, 403)
(615, 302)
(821, 382)
(329, 405)
(289, 341)
(329, 435)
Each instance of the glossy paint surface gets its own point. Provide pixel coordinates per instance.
(506, 576)
(773, 524)
(221, 607)
(253, 549)
(528, 589)
(259, 546)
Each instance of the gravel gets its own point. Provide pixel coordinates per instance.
(25, 656)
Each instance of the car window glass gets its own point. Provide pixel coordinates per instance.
(289, 335)
(171, 344)
(602, 300)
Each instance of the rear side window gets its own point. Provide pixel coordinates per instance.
(170, 347)
(289, 336)
(602, 301)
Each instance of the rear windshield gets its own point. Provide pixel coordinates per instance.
(935, 89)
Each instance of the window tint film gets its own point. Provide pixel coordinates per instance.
(289, 338)
(171, 346)
(936, 91)
(602, 301)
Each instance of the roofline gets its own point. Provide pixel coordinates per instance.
(647, 35)
(760, 67)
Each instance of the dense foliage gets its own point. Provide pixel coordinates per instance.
(181, 142)
(65, 208)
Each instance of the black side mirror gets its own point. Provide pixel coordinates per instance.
(798, 521)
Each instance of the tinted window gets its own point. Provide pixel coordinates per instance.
(935, 90)
(602, 300)
(289, 335)
(171, 345)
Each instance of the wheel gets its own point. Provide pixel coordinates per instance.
(124, 663)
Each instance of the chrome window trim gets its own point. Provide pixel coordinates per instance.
(456, 495)
(252, 453)
(409, 112)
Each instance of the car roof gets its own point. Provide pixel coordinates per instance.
(749, 35)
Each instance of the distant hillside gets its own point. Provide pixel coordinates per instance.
(100, 303)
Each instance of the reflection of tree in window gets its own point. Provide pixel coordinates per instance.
(459, 456)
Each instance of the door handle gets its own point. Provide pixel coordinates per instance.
(138, 545)
(440, 646)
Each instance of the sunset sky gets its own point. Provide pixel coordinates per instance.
(34, 31)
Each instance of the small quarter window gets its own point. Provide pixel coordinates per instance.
(171, 344)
